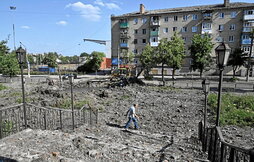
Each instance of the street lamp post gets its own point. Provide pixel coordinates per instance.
(71, 80)
(21, 55)
(222, 52)
(206, 89)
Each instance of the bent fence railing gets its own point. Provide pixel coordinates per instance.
(221, 151)
(12, 118)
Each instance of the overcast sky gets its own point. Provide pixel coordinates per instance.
(61, 25)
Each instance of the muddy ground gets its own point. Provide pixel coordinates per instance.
(168, 125)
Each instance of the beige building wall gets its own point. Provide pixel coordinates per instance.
(226, 25)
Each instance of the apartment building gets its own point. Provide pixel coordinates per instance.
(228, 22)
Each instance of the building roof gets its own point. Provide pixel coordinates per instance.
(190, 9)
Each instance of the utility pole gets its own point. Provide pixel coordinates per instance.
(249, 59)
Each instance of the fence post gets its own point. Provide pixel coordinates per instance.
(210, 146)
(97, 113)
(84, 116)
(61, 122)
(200, 131)
(232, 155)
(45, 120)
(1, 129)
(90, 116)
(252, 154)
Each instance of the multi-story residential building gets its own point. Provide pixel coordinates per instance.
(229, 22)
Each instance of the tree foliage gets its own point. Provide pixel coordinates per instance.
(50, 59)
(147, 59)
(200, 51)
(237, 59)
(93, 63)
(8, 61)
(177, 53)
(163, 55)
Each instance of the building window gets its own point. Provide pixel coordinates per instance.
(194, 17)
(174, 28)
(245, 37)
(233, 14)
(184, 29)
(194, 29)
(135, 41)
(175, 18)
(206, 26)
(249, 12)
(221, 27)
(232, 27)
(144, 20)
(143, 31)
(219, 39)
(135, 51)
(144, 41)
(166, 19)
(135, 31)
(165, 30)
(231, 38)
(246, 24)
(246, 48)
(185, 17)
(184, 39)
(135, 21)
(221, 15)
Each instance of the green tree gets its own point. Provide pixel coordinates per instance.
(84, 54)
(93, 63)
(177, 53)
(9, 64)
(237, 59)
(8, 61)
(147, 59)
(3, 48)
(200, 51)
(50, 59)
(163, 55)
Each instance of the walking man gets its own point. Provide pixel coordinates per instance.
(132, 116)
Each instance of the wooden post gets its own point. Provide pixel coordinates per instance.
(252, 155)
(61, 122)
(222, 153)
(1, 128)
(232, 155)
(45, 120)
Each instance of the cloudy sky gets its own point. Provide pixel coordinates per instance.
(61, 25)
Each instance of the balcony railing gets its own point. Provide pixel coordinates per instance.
(154, 44)
(248, 17)
(207, 17)
(155, 23)
(124, 25)
(154, 33)
(246, 41)
(124, 45)
(208, 31)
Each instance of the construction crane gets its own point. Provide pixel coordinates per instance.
(103, 42)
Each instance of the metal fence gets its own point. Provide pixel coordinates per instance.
(12, 118)
(221, 151)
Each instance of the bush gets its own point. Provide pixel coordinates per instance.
(2, 87)
(233, 79)
(235, 110)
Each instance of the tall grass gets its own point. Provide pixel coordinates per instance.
(235, 110)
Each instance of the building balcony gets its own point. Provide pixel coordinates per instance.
(154, 44)
(247, 29)
(208, 31)
(154, 33)
(246, 41)
(248, 17)
(155, 23)
(124, 45)
(124, 25)
(207, 17)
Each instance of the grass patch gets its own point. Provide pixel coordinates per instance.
(2, 87)
(235, 110)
